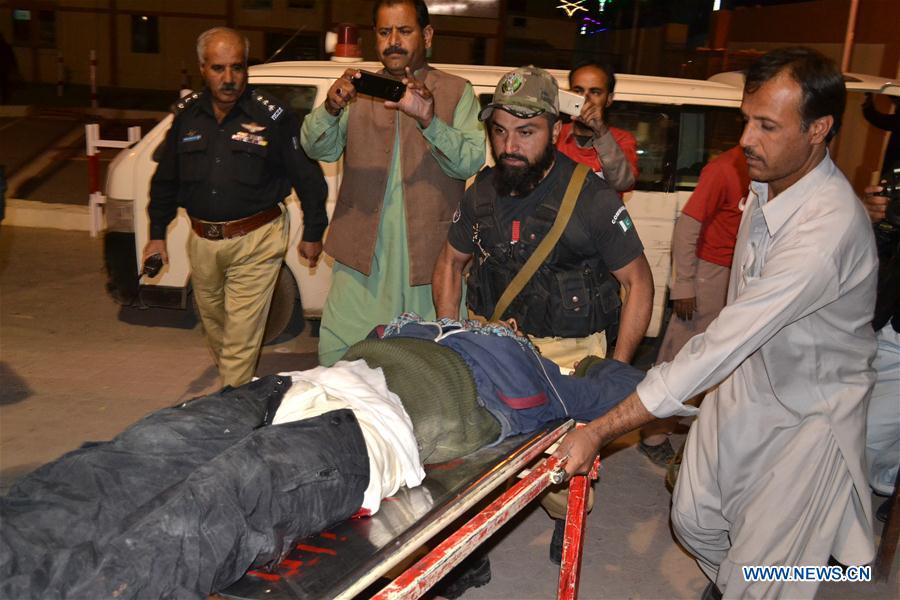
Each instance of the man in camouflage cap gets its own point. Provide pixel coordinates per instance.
(573, 298)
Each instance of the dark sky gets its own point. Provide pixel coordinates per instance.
(652, 12)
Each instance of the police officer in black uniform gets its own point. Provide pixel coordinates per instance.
(230, 159)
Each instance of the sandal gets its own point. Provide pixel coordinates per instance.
(661, 454)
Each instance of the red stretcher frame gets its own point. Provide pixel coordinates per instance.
(420, 577)
(378, 555)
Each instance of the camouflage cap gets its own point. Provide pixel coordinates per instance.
(525, 93)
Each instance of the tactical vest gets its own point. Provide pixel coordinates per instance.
(570, 295)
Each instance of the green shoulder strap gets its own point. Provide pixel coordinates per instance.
(541, 253)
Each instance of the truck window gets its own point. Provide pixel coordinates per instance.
(674, 142)
(654, 126)
(704, 133)
(299, 98)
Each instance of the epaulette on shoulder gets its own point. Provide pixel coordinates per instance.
(185, 102)
(272, 107)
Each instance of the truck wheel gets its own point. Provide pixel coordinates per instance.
(285, 300)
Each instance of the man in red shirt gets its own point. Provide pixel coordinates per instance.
(702, 248)
(610, 152)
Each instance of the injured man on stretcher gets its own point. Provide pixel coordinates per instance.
(188, 499)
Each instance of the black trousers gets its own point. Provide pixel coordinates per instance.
(183, 502)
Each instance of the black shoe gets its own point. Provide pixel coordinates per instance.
(660, 454)
(882, 513)
(473, 572)
(556, 544)
(711, 592)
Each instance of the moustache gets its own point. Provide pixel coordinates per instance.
(750, 154)
(395, 50)
(228, 87)
(518, 157)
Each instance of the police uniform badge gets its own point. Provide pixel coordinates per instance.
(253, 127)
(622, 219)
(511, 83)
(191, 135)
(250, 138)
(185, 102)
(269, 105)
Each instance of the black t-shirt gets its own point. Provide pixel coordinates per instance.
(599, 213)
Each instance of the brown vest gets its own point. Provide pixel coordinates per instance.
(430, 196)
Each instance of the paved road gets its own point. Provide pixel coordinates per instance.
(75, 366)
(23, 138)
(79, 96)
(72, 370)
(45, 158)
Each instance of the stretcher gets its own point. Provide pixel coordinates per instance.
(351, 559)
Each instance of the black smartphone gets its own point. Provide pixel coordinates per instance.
(379, 86)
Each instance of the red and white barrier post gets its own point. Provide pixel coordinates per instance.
(93, 143)
(94, 102)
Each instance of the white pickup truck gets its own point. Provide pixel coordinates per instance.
(678, 123)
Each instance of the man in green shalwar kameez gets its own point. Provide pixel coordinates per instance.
(405, 166)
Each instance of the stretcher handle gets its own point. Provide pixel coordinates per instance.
(558, 474)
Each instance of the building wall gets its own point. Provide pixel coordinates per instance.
(859, 148)
(540, 36)
(104, 25)
(77, 34)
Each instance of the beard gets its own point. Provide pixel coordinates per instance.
(521, 181)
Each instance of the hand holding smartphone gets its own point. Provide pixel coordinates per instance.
(379, 86)
(570, 103)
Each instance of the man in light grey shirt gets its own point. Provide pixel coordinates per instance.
(773, 470)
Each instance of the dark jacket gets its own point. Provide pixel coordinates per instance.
(244, 165)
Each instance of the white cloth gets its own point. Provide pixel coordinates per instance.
(773, 471)
(386, 427)
(883, 417)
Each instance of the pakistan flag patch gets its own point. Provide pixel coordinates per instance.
(625, 223)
